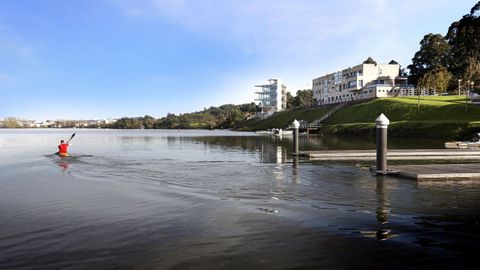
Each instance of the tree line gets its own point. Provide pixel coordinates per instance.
(225, 116)
(450, 62)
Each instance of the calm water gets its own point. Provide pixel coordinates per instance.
(158, 199)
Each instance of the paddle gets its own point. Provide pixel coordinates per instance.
(73, 135)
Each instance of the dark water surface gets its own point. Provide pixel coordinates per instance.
(168, 199)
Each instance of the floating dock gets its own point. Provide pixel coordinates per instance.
(454, 172)
(401, 155)
(429, 172)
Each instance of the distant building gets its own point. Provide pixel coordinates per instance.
(110, 121)
(364, 81)
(271, 97)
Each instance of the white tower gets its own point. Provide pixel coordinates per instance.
(272, 97)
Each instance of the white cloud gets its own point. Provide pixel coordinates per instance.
(262, 25)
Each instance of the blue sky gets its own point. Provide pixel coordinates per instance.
(92, 59)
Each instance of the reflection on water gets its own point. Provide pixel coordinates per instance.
(220, 200)
(63, 164)
(382, 210)
(275, 149)
(382, 201)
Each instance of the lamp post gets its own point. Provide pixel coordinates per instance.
(466, 97)
(469, 88)
(459, 82)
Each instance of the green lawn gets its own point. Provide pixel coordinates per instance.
(432, 108)
(436, 117)
(433, 100)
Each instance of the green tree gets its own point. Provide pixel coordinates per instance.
(464, 39)
(433, 54)
(442, 79)
(166, 122)
(127, 123)
(225, 116)
(148, 122)
(234, 116)
(248, 107)
(304, 98)
(437, 80)
(472, 71)
(290, 101)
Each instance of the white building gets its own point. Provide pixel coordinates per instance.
(272, 97)
(364, 81)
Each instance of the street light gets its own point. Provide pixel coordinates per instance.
(467, 92)
(459, 82)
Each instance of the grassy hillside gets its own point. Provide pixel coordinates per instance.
(432, 108)
(436, 117)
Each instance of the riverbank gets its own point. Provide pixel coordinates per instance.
(443, 117)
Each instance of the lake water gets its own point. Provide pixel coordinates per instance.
(168, 199)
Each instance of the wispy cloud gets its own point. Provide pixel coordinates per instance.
(288, 25)
(263, 24)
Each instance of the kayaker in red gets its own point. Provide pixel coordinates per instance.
(63, 149)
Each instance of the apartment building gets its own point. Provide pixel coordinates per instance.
(364, 81)
(271, 97)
